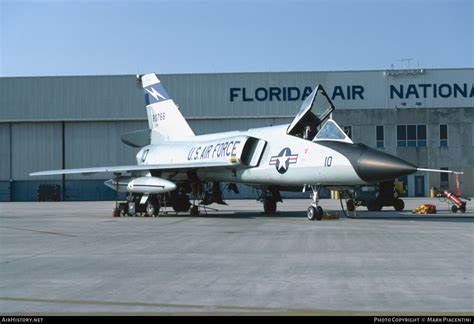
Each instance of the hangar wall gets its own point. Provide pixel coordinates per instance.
(5, 159)
(76, 121)
(457, 155)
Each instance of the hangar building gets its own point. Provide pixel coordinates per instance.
(425, 116)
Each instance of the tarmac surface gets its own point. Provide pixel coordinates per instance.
(74, 257)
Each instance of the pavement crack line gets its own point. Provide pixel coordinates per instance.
(50, 251)
(133, 304)
(177, 222)
(37, 231)
(213, 309)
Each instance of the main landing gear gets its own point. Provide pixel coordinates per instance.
(269, 205)
(179, 202)
(315, 212)
(269, 198)
(151, 205)
(141, 205)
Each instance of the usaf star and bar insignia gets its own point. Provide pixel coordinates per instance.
(283, 160)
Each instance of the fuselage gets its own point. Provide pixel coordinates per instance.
(285, 159)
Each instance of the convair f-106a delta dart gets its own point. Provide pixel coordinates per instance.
(177, 168)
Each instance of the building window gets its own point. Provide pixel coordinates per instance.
(401, 135)
(421, 135)
(379, 135)
(444, 179)
(472, 134)
(348, 131)
(443, 135)
(411, 135)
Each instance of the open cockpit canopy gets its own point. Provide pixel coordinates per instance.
(314, 111)
(313, 121)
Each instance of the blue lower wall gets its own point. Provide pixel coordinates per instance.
(27, 190)
(74, 190)
(86, 190)
(5, 191)
(89, 190)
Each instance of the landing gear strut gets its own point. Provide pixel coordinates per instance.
(194, 211)
(269, 205)
(270, 197)
(116, 210)
(315, 212)
(351, 203)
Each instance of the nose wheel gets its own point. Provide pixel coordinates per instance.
(315, 212)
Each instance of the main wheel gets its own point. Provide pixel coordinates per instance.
(269, 205)
(454, 209)
(398, 204)
(319, 213)
(152, 208)
(463, 208)
(272, 205)
(131, 209)
(181, 203)
(311, 213)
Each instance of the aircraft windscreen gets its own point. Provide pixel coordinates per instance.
(330, 130)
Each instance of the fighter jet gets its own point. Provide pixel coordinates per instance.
(177, 168)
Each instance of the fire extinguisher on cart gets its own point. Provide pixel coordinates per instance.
(456, 199)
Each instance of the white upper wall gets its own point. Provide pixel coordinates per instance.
(422, 88)
(231, 95)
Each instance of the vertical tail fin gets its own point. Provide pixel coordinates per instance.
(164, 118)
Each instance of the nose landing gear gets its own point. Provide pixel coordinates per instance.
(315, 212)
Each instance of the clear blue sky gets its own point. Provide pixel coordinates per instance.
(128, 37)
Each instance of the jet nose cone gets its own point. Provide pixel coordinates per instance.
(376, 166)
(371, 165)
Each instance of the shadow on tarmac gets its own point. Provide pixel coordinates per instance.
(363, 215)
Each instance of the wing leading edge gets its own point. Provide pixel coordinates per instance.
(142, 167)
